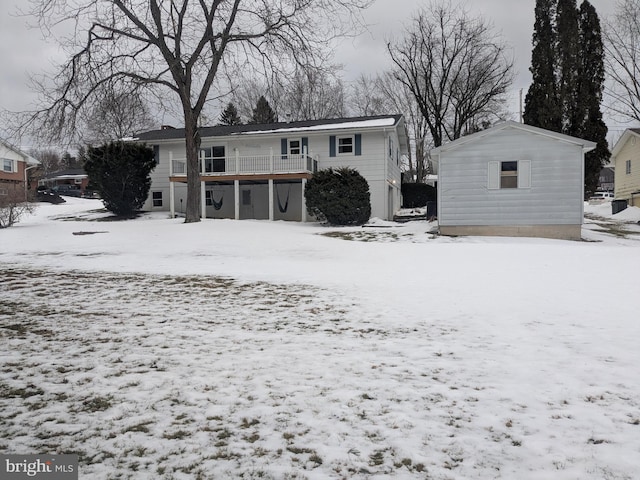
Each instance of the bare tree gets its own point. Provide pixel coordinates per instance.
(116, 114)
(309, 93)
(177, 49)
(313, 94)
(14, 205)
(622, 46)
(50, 160)
(402, 101)
(385, 94)
(455, 67)
(365, 99)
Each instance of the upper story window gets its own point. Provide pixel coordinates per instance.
(295, 146)
(7, 165)
(214, 158)
(345, 145)
(628, 167)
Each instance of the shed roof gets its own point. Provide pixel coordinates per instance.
(585, 144)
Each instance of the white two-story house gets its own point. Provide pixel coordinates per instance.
(260, 171)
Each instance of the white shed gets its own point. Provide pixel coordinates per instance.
(512, 180)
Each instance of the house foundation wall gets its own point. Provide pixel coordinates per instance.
(562, 232)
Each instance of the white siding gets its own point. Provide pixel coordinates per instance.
(552, 196)
(376, 163)
(628, 183)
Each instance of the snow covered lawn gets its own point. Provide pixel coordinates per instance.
(158, 350)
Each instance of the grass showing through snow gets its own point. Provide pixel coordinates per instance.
(202, 377)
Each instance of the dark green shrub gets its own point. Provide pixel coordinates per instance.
(341, 197)
(120, 172)
(417, 194)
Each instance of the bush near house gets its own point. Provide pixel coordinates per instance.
(416, 195)
(13, 206)
(120, 172)
(340, 196)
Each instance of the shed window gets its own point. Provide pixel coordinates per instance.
(628, 167)
(509, 175)
(157, 199)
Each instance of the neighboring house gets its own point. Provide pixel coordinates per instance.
(14, 165)
(73, 176)
(626, 159)
(512, 180)
(260, 171)
(606, 180)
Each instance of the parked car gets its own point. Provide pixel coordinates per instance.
(600, 197)
(68, 190)
(46, 195)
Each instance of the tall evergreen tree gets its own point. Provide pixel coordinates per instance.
(263, 113)
(567, 45)
(590, 87)
(229, 115)
(541, 102)
(568, 78)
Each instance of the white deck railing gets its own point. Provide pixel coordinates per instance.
(248, 165)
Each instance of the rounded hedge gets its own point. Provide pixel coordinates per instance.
(340, 197)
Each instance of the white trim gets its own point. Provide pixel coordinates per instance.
(12, 165)
(524, 173)
(271, 213)
(153, 200)
(586, 145)
(493, 177)
(299, 140)
(353, 145)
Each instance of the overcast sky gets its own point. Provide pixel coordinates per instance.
(23, 50)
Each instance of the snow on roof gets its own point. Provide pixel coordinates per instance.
(381, 122)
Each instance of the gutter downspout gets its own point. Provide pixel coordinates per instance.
(25, 181)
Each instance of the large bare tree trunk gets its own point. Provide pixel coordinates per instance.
(192, 145)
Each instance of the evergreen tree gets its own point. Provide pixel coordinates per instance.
(590, 87)
(541, 102)
(230, 116)
(567, 45)
(567, 64)
(340, 196)
(263, 113)
(120, 171)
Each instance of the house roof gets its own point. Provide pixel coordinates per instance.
(66, 174)
(628, 133)
(379, 121)
(27, 158)
(585, 144)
